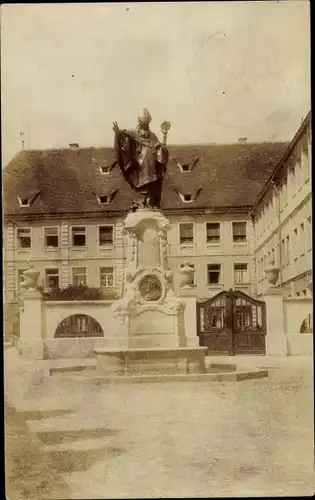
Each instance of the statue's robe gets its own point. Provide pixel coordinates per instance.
(142, 160)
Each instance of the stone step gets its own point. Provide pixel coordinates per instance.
(232, 376)
(69, 365)
(64, 425)
(81, 445)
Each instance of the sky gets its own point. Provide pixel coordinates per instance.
(218, 71)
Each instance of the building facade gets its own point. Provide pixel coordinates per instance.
(282, 218)
(91, 252)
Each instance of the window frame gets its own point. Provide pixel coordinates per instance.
(219, 271)
(46, 276)
(213, 243)
(111, 245)
(78, 247)
(245, 282)
(100, 280)
(81, 274)
(242, 242)
(45, 228)
(187, 243)
(21, 228)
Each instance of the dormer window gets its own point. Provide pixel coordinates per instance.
(104, 169)
(186, 168)
(103, 200)
(27, 198)
(188, 197)
(24, 202)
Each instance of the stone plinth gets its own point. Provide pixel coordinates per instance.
(150, 361)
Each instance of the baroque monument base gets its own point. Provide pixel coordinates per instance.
(149, 334)
(155, 361)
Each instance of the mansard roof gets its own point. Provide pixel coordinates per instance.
(229, 175)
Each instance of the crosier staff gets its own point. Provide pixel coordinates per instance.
(165, 127)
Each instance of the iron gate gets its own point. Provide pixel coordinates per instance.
(232, 323)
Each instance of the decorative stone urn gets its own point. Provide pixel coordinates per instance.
(272, 273)
(30, 279)
(187, 273)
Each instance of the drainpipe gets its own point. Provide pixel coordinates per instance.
(279, 232)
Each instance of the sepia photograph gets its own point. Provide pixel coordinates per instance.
(157, 250)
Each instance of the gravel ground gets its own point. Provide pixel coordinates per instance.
(250, 438)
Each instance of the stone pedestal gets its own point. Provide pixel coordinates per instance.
(190, 316)
(276, 341)
(149, 318)
(31, 342)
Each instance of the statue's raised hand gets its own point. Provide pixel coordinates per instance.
(115, 127)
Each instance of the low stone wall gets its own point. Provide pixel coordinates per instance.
(300, 344)
(296, 310)
(54, 312)
(76, 348)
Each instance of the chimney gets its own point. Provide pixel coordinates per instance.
(242, 140)
(73, 145)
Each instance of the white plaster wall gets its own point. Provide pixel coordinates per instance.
(300, 345)
(55, 312)
(295, 311)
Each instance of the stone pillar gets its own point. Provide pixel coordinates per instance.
(276, 341)
(187, 291)
(31, 343)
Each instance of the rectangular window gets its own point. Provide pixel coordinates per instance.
(186, 232)
(287, 251)
(296, 245)
(79, 236)
(51, 237)
(241, 273)
(24, 237)
(239, 231)
(273, 256)
(282, 253)
(106, 277)
(79, 276)
(213, 232)
(305, 161)
(285, 193)
(52, 278)
(106, 236)
(214, 274)
(302, 239)
(308, 238)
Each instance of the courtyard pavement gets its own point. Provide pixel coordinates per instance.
(70, 439)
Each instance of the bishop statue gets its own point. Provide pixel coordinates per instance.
(143, 158)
